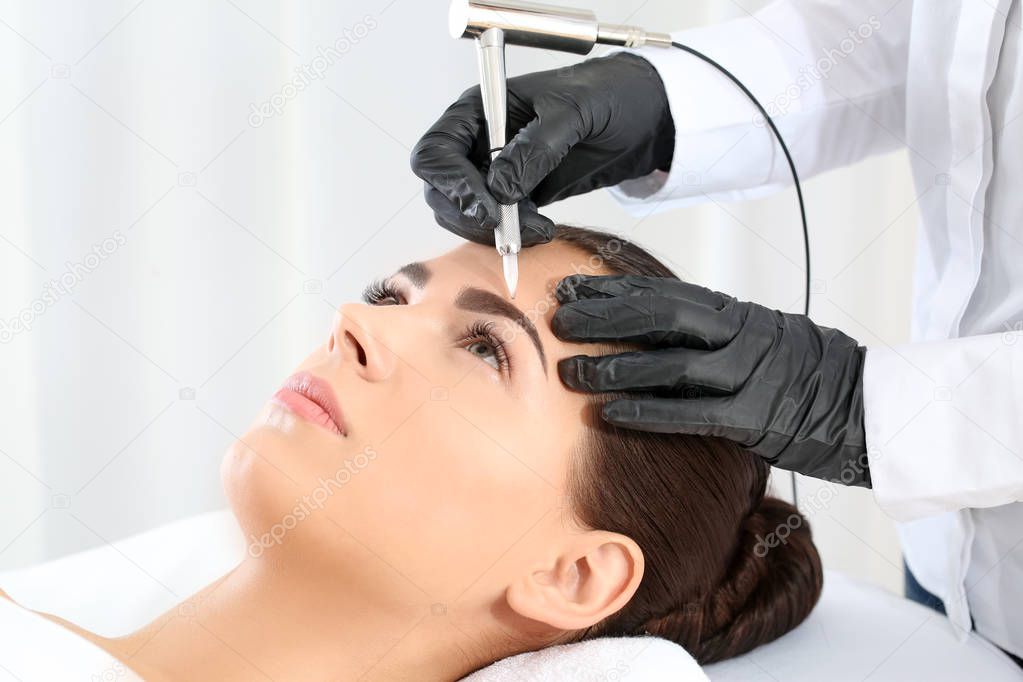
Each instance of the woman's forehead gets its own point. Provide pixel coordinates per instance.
(540, 268)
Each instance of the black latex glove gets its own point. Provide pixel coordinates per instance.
(776, 383)
(575, 129)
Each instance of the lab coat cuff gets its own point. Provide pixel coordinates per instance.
(723, 147)
(942, 424)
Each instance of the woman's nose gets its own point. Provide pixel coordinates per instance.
(355, 340)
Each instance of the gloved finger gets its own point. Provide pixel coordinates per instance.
(447, 215)
(584, 169)
(537, 149)
(576, 287)
(535, 228)
(716, 417)
(444, 155)
(675, 369)
(647, 320)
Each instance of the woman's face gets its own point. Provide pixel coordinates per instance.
(451, 471)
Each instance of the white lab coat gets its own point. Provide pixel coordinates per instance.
(943, 78)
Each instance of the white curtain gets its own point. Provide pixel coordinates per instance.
(188, 187)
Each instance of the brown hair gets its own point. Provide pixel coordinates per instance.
(726, 568)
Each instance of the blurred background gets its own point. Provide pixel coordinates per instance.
(179, 219)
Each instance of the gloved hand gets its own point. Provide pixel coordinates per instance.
(575, 129)
(776, 383)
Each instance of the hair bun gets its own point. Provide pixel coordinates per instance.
(770, 586)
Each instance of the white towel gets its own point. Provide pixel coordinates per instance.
(34, 648)
(607, 659)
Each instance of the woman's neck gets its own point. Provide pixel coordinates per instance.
(267, 620)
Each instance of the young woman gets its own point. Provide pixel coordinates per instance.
(424, 497)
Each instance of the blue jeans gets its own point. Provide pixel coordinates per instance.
(916, 592)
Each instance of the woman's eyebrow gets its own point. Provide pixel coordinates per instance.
(417, 273)
(486, 302)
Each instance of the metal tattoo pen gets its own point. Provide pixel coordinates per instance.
(494, 90)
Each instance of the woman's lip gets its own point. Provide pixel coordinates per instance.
(312, 398)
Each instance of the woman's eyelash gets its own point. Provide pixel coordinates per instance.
(382, 292)
(487, 333)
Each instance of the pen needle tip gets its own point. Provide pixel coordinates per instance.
(511, 272)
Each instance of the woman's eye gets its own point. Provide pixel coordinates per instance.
(486, 352)
(481, 341)
(382, 293)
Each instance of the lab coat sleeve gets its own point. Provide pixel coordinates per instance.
(831, 75)
(944, 424)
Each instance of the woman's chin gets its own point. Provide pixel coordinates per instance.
(283, 446)
(262, 473)
(282, 467)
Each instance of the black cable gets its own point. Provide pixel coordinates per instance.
(795, 178)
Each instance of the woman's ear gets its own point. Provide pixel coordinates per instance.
(593, 577)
